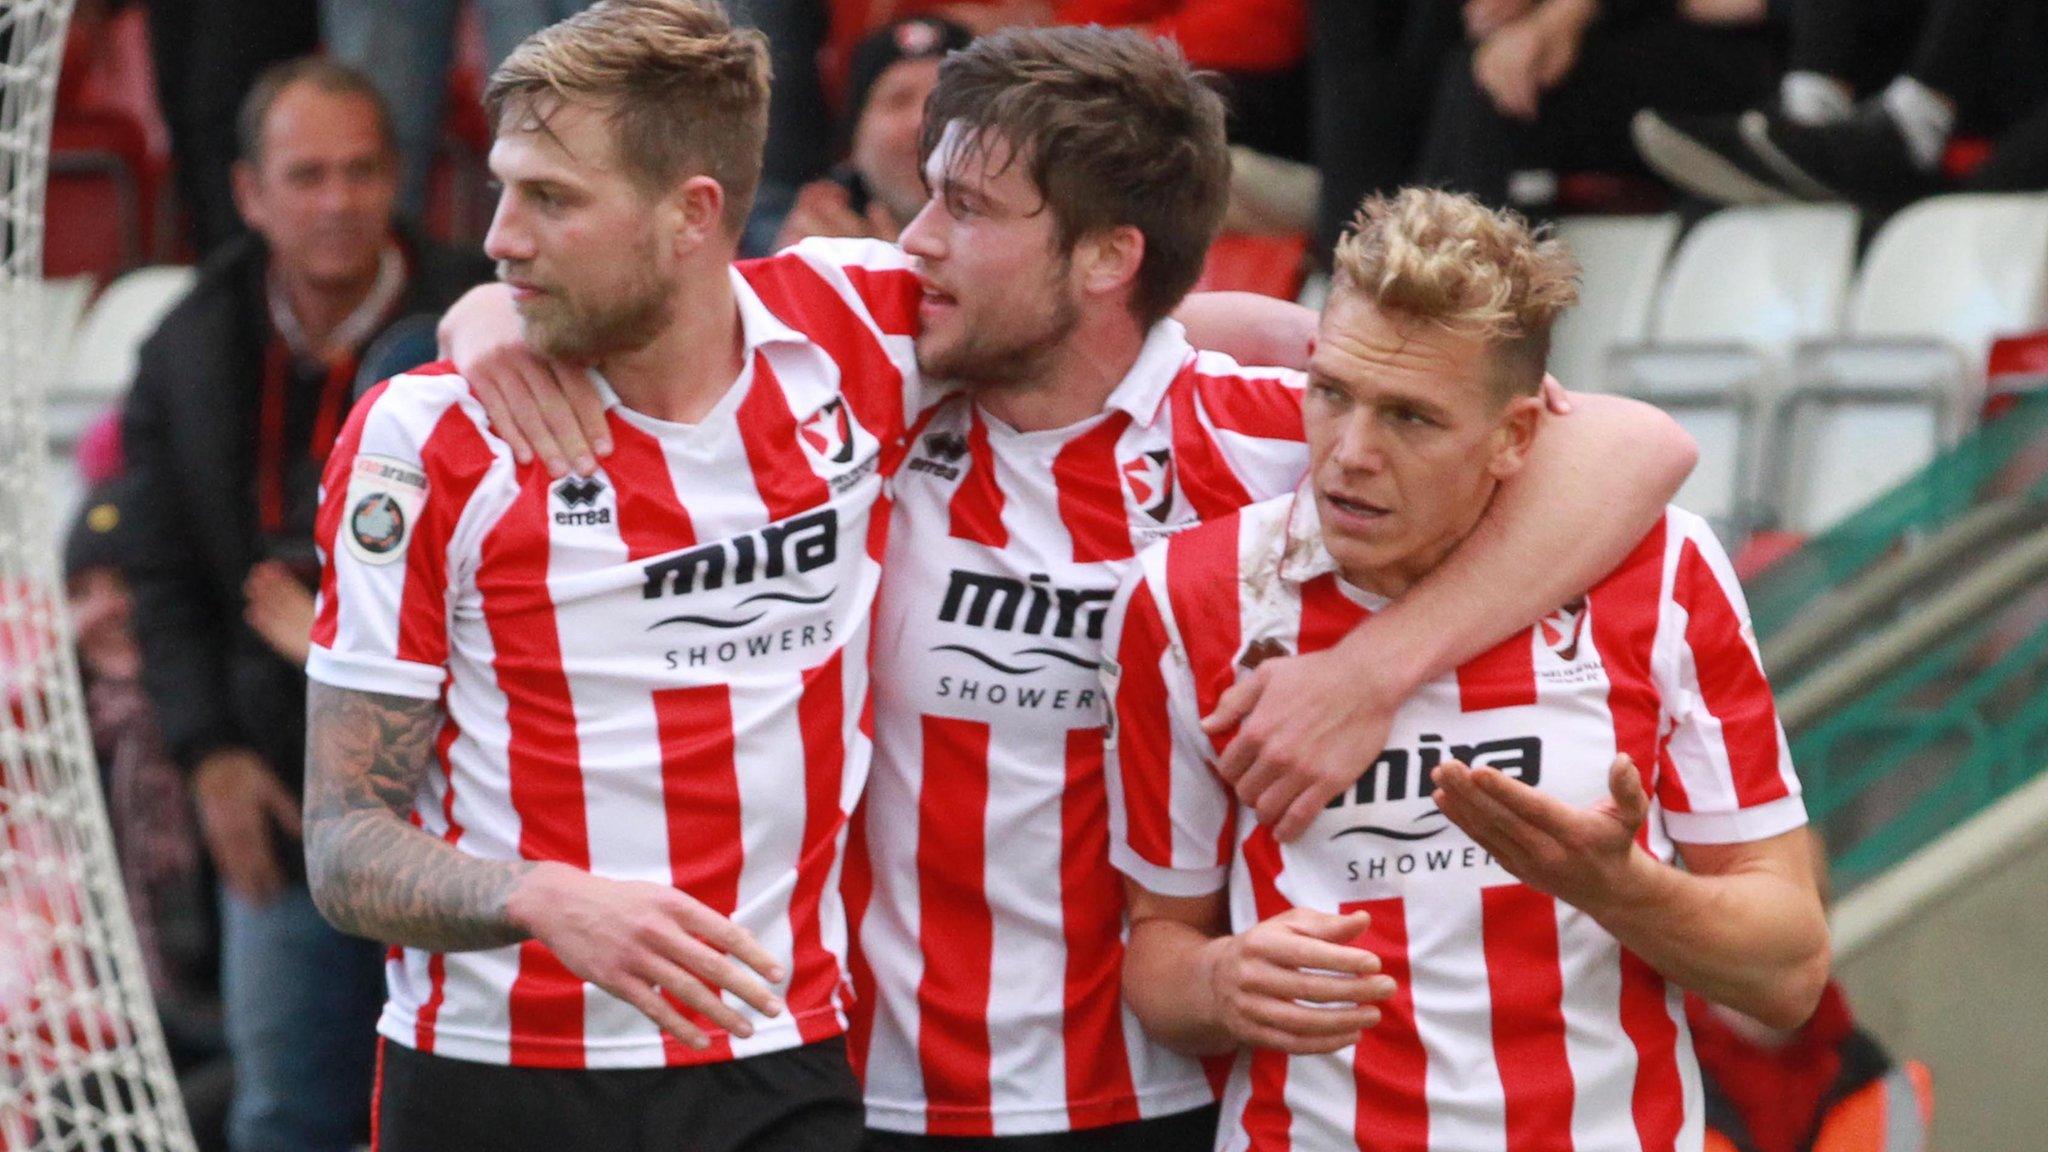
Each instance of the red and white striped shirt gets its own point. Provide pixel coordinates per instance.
(992, 940)
(659, 673)
(1519, 1023)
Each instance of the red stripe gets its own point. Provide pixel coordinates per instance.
(857, 888)
(1659, 1102)
(1252, 406)
(1201, 587)
(1091, 493)
(1732, 686)
(798, 295)
(1388, 1062)
(437, 967)
(814, 971)
(544, 764)
(1624, 624)
(1503, 676)
(1100, 1090)
(377, 1099)
(956, 933)
(1327, 615)
(1267, 1118)
(1144, 736)
(1525, 982)
(652, 519)
(341, 465)
(1201, 469)
(700, 795)
(891, 294)
(455, 459)
(1625, 610)
(782, 472)
(977, 507)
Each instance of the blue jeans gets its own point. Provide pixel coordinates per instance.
(404, 46)
(302, 1004)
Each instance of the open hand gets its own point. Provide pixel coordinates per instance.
(1579, 855)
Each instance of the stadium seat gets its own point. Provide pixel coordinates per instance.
(1942, 280)
(1622, 259)
(102, 360)
(1746, 286)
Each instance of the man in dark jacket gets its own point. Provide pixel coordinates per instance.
(237, 402)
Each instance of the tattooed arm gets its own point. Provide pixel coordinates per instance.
(375, 874)
(372, 872)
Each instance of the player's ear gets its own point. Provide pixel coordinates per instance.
(1519, 419)
(1109, 260)
(699, 208)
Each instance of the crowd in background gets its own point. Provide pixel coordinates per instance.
(1552, 106)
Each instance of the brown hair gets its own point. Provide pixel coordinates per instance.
(1115, 129)
(1448, 259)
(687, 93)
(322, 73)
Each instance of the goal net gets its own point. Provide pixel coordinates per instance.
(82, 1060)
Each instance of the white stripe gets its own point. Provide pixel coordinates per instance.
(1454, 1016)
(1028, 965)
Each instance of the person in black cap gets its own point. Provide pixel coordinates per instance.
(878, 189)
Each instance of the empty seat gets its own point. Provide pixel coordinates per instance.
(1746, 286)
(102, 360)
(1621, 259)
(1942, 280)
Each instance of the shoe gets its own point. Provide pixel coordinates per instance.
(1863, 160)
(1706, 157)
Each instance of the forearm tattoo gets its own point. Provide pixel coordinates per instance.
(373, 872)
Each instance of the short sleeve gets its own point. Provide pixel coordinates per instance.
(1172, 820)
(1253, 418)
(397, 488)
(1727, 773)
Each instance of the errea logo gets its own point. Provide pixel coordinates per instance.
(577, 501)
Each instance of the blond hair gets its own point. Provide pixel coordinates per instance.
(1446, 259)
(685, 91)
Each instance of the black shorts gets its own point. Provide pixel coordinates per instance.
(1182, 1132)
(799, 1100)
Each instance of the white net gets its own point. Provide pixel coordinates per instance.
(82, 1060)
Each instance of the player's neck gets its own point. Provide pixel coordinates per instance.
(1076, 379)
(682, 373)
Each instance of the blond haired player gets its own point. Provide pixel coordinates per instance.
(1482, 945)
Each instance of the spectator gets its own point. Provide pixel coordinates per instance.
(156, 839)
(800, 130)
(405, 47)
(236, 404)
(1554, 87)
(1947, 63)
(879, 188)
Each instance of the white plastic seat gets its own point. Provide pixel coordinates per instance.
(1621, 259)
(1746, 286)
(102, 361)
(1941, 281)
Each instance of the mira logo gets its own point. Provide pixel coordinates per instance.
(799, 544)
(1403, 774)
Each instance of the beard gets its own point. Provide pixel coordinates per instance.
(1004, 352)
(582, 331)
